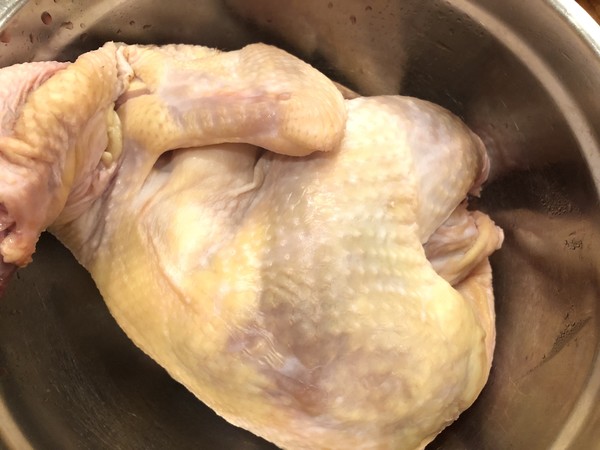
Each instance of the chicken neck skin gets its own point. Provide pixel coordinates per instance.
(292, 294)
(37, 173)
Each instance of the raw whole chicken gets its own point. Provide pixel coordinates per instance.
(305, 264)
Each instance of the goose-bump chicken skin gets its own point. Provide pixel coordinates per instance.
(304, 264)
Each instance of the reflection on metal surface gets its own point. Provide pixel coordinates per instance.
(11, 434)
(8, 9)
(523, 74)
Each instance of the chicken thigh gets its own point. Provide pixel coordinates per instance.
(305, 265)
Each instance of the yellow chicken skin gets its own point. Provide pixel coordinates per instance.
(304, 264)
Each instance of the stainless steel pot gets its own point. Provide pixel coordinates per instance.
(524, 75)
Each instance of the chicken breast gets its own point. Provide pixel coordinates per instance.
(305, 265)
